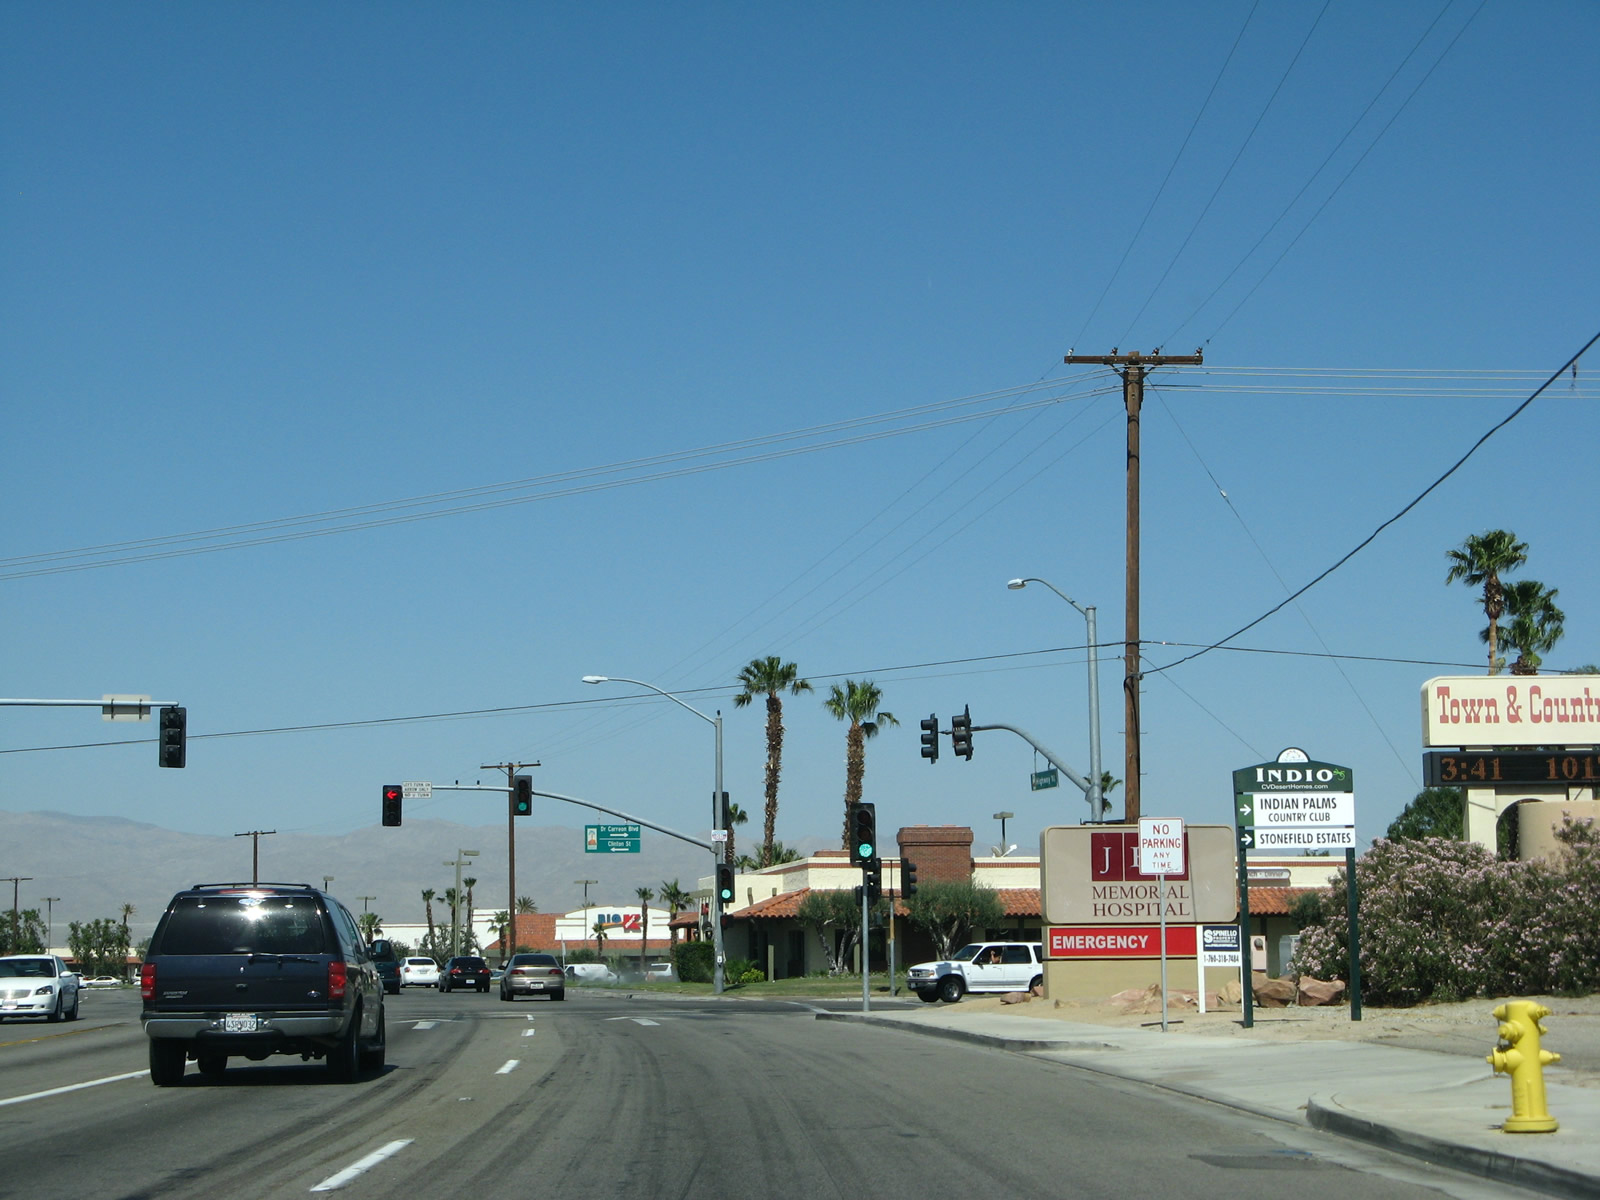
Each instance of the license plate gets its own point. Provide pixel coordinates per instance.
(239, 1023)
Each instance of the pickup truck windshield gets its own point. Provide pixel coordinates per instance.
(244, 925)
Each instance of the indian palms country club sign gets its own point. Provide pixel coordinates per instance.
(1295, 804)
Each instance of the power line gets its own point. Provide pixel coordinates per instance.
(1370, 538)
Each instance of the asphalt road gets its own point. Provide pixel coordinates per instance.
(605, 1097)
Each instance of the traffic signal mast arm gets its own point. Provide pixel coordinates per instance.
(616, 812)
(1052, 759)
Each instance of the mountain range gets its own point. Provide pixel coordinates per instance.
(95, 865)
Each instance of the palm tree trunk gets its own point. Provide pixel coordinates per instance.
(855, 768)
(769, 822)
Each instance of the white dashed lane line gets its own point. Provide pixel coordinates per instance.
(511, 1065)
(424, 1024)
(72, 1087)
(360, 1167)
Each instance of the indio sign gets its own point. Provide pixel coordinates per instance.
(1511, 710)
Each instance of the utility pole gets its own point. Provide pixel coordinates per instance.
(508, 939)
(16, 917)
(1133, 368)
(255, 836)
(50, 903)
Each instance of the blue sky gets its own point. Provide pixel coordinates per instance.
(261, 262)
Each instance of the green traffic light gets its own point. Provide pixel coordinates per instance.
(864, 850)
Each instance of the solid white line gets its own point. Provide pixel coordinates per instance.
(360, 1167)
(511, 1065)
(73, 1087)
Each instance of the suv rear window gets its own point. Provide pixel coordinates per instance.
(244, 925)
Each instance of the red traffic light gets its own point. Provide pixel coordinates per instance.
(392, 795)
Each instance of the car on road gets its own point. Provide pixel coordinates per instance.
(103, 981)
(978, 967)
(419, 972)
(38, 985)
(531, 974)
(388, 962)
(252, 970)
(464, 970)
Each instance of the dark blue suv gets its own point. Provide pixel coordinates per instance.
(251, 970)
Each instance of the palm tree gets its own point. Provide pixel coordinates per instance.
(645, 896)
(469, 883)
(453, 899)
(736, 816)
(857, 703)
(502, 923)
(525, 904)
(770, 676)
(600, 939)
(128, 910)
(427, 900)
(1480, 562)
(370, 923)
(1536, 624)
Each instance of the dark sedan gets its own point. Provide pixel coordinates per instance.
(464, 971)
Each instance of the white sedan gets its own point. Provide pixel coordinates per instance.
(103, 981)
(419, 972)
(38, 985)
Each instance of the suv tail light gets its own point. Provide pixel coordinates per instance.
(147, 981)
(336, 980)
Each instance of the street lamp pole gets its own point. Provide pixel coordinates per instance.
(49, 919)
(1097, 800)
(721, 850)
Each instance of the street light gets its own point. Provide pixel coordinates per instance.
(1003, 817)
(455, 909)
(49, 919)
(720, 851)
(1097, 800)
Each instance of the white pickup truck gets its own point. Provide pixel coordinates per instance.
(978, 967)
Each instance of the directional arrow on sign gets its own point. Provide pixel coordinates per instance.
(1246, 838)
(1244, 810)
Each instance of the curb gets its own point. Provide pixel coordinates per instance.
(1476, 1160)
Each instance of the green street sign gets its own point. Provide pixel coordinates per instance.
(1040, 780)
(1244, 809)
(611, 839)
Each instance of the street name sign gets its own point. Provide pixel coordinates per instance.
(1040, 780)
(611, 839)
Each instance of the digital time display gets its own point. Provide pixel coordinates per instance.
(1446, 768)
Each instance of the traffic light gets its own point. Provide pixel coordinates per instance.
(522, 799)
(930, 738)
(908, 879)
(863, 821)
(724, 886)
(872, 880)
(961, 734)
(171, 747)
(392, 793)
(724, 819)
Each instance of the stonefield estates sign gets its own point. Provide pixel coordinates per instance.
(1511, 710)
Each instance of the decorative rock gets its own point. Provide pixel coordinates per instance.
(1316, 991)
(1016, 998)
(1272, 993)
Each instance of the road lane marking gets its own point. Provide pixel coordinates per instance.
(356, 1169)
(643, 1021)
(73, 1087)
(424, 1024)
(510, 1066)
(529, 1032)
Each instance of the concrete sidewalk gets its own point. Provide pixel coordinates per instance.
(1444, 1108)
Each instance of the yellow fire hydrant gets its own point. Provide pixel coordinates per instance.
(1519, 1056)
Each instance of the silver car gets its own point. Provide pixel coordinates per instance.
(38, 985)
(530, 974)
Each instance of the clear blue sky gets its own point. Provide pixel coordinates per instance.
(261, 262)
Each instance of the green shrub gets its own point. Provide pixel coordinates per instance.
(1444, 920)
(694, 961)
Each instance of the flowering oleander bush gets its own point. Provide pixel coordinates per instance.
(1444, 920)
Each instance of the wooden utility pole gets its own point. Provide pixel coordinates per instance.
(1133, 368)
(255, 836)
(508, 935)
